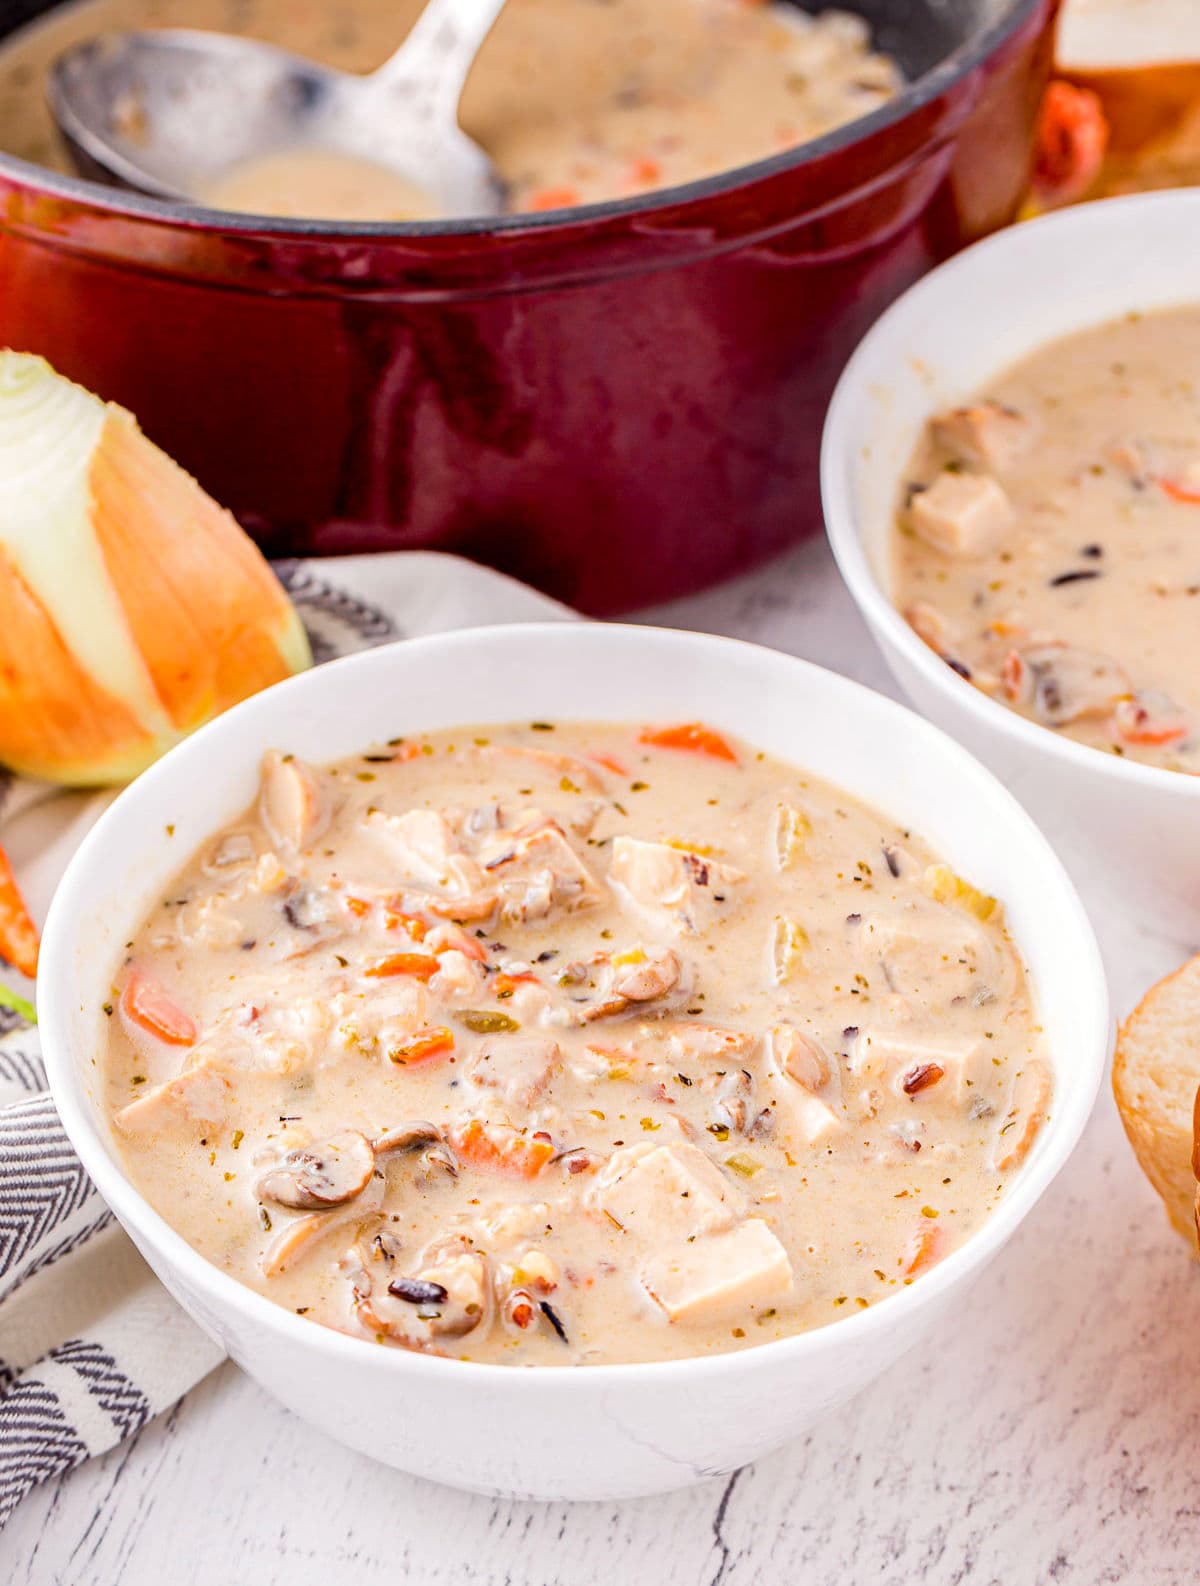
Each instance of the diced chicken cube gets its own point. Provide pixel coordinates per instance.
(537, 871)
(519, 1067)
(672, 888)
(660, 1192)
(729, 1273)
(933, 1068)
(427, 851)
(291, 805)
(984, 435)
(200, 1094)
(961, 514)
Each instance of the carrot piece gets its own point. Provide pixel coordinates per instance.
(358, 906)
(1133, 723)
(553, 198)
(692, 736)
(18, 933)
(504, 985)
(1180, 493)
(423, 965)
(498, 1145)
(412, 923)
(923, 1250)
(425, 1044)
(146, 1004)
(608, 761)
(646, 171)
(1072, 137)
(460, 941)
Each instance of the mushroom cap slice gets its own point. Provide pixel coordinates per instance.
(326, 1173)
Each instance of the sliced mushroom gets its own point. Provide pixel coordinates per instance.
(290, 802)
(636, 977)
(406, 1137)
(328, 1173)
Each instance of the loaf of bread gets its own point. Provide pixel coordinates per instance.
(1156, 1081)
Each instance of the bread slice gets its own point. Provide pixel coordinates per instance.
(1156, 1080)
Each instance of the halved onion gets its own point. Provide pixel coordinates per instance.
(132, 607)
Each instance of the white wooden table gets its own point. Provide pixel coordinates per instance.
(1048, 1436)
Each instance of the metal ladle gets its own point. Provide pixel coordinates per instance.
(168, 112)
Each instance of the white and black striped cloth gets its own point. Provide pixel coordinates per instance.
(91, 1345)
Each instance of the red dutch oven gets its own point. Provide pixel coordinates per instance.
(618, 403)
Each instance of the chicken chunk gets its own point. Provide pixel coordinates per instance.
(430, 858)
(519, 1067)
(730, 1273)
(944, 1066)
(665, 1192)
(447, 1296)
(984, 435)
(961, 514)
(636, 977)
(536, 871)
(1060, 684)
(291, 805)
(201, 1094)
(672, 888)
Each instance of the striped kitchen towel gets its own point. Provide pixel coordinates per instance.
(91, 1345)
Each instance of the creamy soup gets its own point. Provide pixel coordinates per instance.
(561, 1045)
(1049, 539)
(575, 101)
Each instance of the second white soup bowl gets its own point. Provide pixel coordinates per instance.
(941, 343)
(559, 1432)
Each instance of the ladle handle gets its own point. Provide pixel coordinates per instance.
(440, 50)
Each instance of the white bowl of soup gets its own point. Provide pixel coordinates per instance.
(573, 1086)
(1008, 489)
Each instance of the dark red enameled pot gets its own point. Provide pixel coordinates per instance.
(618, 403)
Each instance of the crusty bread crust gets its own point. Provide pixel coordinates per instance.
(1156, 1081)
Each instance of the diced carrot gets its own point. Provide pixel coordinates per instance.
(608, 761)
(505, 985)
(1072, 137)
(498, 1145)
(692, 736)
(358, 906)
(405, 751)
(461, 941)
(924, 1249)
(1013, 673)
(18, 933)
(146, 1004)
(1180, 493)
(423, 965)
(421, 1047)
(412, 923)
(646, 171)
(553, 198)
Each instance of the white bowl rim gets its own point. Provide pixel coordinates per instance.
(1065, 1125)
(840, 445)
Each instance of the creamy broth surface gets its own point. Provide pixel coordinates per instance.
(571, 1044)
(575, 100)
(1048, 542)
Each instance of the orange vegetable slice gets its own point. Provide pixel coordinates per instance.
(498, 1145)
(426, 1044)
(693, 737)
(1179, 492)
(18, 933)
(423, 965)
(1072, 136)
(923, 1250)
(145, 1004)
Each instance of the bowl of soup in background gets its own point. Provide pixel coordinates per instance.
(603, 1431)
(617, 403)
(968, 323)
